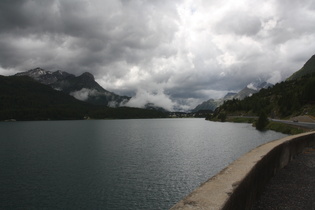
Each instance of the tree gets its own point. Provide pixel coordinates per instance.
(309, 95)
(222, 116)
(262, 121)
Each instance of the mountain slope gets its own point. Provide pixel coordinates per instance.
(248, 91)
(45, 77)
(285, 99)
(251, 88)
(211, 104)
(307, 69)
(245, 92)
(23, 98)
(292, 97)
(83, 87)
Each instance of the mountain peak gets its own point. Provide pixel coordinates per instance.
(34, 73)
(44, 76)
(60, 72)
(87, 75)
(83, 87)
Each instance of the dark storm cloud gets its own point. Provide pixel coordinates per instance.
(172, 53)
(20, 18)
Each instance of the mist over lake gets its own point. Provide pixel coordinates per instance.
(115, 164)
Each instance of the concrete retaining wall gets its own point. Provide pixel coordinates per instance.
(239, 185)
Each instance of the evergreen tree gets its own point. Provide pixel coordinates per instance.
(222, 117)
(262, 121)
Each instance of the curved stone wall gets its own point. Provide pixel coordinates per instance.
(239, 185)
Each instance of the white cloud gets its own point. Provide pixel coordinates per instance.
(275, 77)
(251, 86)
(84, 94)
(158, 98)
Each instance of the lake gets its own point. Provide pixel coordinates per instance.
(115, 164)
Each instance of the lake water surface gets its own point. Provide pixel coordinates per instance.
(115, 164)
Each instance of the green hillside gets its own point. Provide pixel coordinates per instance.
(22, 98)
(307, 69)
(285, 99)
(293, 97)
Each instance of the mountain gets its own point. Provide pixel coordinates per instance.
(229, 96)
(83, 87)
(285, 99)
(292, 97)
(211, 104)
(152, 106)
(307, 69)
(247, 91)
(45, 77)
(23, 98)
(251, 88)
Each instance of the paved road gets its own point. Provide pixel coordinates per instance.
(300, 124)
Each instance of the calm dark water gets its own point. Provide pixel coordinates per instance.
(115, 164)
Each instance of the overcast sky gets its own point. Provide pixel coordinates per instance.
(174, 53)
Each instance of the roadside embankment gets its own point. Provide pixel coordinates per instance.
(285, 128)
(240, 184)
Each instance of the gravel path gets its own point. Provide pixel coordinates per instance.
(293, 187)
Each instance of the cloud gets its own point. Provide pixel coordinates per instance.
(143, 97)
(179, 52)
(84, 94)
(274, 78)
(239, 23)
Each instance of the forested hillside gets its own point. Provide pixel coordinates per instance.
(288, 98)
(22, 98)
(307, 69)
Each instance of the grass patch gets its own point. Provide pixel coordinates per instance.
(284, 128)
(242, 120)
